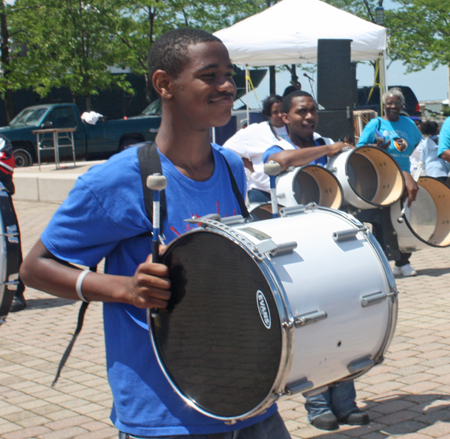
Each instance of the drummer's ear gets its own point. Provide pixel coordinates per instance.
(285, 118)
(161, 83)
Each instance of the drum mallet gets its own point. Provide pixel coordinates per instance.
(272, 169)
(156, 183)
(416, 177)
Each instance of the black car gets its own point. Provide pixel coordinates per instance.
(411, 103)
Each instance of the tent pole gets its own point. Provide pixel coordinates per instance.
(383, 79)
(246, 92)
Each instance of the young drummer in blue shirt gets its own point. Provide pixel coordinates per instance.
(105, 214)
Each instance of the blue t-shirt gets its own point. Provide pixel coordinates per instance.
(102, 217)
(322, 161)
(404, 130)
(444, 137)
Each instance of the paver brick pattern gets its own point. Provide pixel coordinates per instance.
(408, 395)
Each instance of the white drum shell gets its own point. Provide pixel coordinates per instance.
(432, 210)
(328, 187)
(389, 181)
(324, 275)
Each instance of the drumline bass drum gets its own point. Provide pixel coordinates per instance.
(10, 255)
(427, 222)
(309, 184)
(369, 176)
(265, 309)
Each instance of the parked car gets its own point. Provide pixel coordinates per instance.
(411, 102)
(101, 140)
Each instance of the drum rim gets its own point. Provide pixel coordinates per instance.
(284, 313)
(9, 272)
(408, 225)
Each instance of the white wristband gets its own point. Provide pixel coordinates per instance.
(80, 280)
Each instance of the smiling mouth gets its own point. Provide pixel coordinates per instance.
(222, 99)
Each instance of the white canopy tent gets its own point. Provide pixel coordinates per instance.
(287, 33)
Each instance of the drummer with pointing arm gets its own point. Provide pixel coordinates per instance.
(337, 404)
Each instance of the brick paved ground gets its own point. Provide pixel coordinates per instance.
(408, 396)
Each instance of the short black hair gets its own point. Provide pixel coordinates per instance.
(268, 102)
(169, 51)
(429, 128)
(287, 101)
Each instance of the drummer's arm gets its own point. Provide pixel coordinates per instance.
(411, 187)
(445, 155)
(303, 156)
(248, 164)
(148, 288)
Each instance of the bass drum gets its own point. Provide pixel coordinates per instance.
(427, 222)
(10, 254)
(307, 184)
(369, 176)
(271, 308)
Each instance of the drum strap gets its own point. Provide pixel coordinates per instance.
(149, 164)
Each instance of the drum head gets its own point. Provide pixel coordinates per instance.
(306, 189)
(422, 216)
(362, 176)
(214, 343)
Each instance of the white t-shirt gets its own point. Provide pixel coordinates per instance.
(251, 143)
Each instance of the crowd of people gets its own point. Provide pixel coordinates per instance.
(105, 217)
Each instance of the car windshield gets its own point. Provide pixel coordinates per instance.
(29, 116)
(154, 109)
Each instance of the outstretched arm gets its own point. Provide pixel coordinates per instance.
(303, 156)
(148, 288)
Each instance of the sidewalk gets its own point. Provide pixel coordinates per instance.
(408, 395)
(49, 184)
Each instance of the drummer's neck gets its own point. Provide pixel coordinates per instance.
(301, 142)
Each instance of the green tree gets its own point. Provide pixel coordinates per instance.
(420, 33)
(144, 20)
(71, 43)
(13, 72)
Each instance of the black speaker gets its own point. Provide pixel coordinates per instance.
(336, 124)
(336, 75)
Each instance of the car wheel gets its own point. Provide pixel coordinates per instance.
(22, 158)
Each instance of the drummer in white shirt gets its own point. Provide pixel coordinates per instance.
(251, 142)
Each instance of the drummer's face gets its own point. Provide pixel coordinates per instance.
(275, 115)
(302, 118)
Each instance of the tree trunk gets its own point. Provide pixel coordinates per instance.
(6, 62)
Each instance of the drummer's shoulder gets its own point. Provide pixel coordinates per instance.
(232, 158)
(117, 170)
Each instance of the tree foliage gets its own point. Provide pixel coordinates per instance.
(420, 33)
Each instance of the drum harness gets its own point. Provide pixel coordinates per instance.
(149, 163)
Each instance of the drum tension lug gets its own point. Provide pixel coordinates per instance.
(12, 234)
(373, 299)
(364, 363)
(309, 317)
(301, 385)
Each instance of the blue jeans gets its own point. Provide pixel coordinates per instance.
(257, 196)
(270, 428)
(339, 400)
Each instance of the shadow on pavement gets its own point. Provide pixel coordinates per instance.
(435, 272)
(397, 416)
(50, 302)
